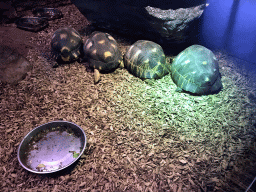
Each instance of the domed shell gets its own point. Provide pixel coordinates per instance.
(66, 44)
(102, 51)
(196, 70)
(146, 60)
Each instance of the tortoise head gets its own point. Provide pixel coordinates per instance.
(169, 61)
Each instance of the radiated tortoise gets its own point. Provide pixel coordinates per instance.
(196, 70)
(66, 45)
(102, 52)
(146, 60)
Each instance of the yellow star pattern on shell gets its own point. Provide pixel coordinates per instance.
(101, 42)
(107, 54)
(63, 36)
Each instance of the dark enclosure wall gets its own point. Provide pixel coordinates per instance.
(231, 25)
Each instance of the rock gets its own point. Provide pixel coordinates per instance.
(10, 10)
(13, 66)
(172, 24)
(7, 12)
(155, 20)
(22, 5)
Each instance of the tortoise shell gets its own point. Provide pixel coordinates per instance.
(66, 44)
(146, 60)
(102, 51)
(196, 70)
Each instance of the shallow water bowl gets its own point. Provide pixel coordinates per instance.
(52, 147)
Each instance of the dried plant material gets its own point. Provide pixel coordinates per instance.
(183, 161)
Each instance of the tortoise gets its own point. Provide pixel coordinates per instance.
(102, 52)
(146, 60)
(196, 70)
(66, 45)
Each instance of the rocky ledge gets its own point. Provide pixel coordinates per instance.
(155, 20)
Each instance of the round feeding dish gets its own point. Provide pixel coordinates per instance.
(51, 147)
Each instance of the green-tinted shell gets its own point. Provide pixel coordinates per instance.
(146, 60)
(66, 44)
(102, 51)
(196, 70)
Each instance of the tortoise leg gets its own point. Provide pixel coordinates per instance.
(96, 76)
(121, 64)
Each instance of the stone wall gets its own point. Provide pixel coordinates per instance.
(155, 20)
